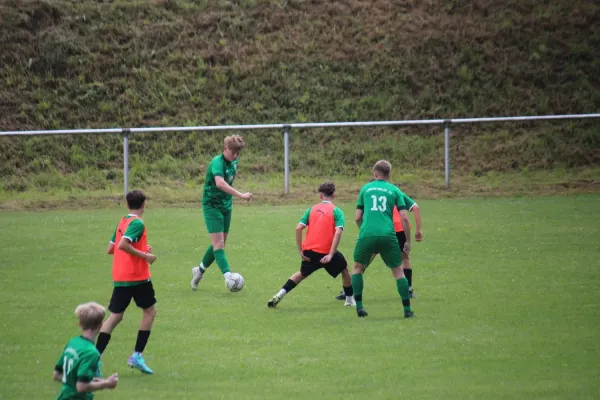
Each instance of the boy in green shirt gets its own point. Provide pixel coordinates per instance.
(78, 366)
(374, 216)
(217, 206)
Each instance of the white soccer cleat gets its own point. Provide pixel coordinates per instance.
(196, 277)
(350, 302)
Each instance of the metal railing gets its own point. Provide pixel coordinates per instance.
(446, 123)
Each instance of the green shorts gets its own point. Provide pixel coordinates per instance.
(216, 220)
(386, 246)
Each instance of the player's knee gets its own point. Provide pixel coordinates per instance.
(150, 312)
(116, 318)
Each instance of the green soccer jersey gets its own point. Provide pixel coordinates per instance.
(377, 200)
(213, 196)
(78, 362)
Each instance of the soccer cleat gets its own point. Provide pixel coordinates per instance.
(361, 312)
(409, 314)
(350, 302)
(274, 301)
(341, 296)
(411, 293)
(137, 361)
(196, 277)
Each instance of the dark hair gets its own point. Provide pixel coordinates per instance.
(135, 199)
(327, 188)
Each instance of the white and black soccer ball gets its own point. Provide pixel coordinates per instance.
(235, 283)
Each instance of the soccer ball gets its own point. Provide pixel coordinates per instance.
(235, 283)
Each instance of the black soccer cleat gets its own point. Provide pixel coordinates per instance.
(409, 314)
(411, 293)
(361, 312)
(341, 296)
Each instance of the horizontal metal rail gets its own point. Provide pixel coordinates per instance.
(288, 127)
(301, 125)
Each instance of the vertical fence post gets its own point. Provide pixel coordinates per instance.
(447, 152)
(286, 157)
(125, 161)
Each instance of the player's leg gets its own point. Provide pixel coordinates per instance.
(408, 272)
(342, 295)
(392, 256)
(286, 288)
(119, 301)
(363, 251)
(213, 219)
(306, 269)
(145, 299)
(218, 242)
(401, 236)
(338, 265)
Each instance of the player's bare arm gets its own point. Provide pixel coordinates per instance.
(109, 383)
(359, 217)
(111, 248)
(406, 227)
(334, 245)
(225, 187)
(419, 233)
(126, 246)
(299, 230)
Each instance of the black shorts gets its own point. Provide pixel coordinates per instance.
(334, 267)
(401, 240)
(143, 295)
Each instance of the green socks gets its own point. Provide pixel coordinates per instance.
(357, 288)
(208, 259)
(402, 285)
(222, 262)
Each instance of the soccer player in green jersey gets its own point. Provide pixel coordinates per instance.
(374, 216)
(217, 205)
(77, 367)
(411, 206)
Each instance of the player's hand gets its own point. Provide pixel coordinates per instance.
(112, 381)
(150, 258)
(407, 247)
(304, 258)
(419, 236)
(149, 249)
(326, 259)
(247, 196)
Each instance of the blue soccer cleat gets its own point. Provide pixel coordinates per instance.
(137, 361)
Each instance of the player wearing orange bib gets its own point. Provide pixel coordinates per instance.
(131, 276)
(325, 223)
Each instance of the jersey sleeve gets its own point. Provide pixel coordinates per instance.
(217, 168)
(409, 202)
(360, 203)
(113, 237)
(338, 217)
(304, 219)
(400, 203)
(134, 231)
(87, 368)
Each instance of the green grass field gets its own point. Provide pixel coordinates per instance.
(507, 307)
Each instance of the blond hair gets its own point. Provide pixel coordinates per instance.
(384, 168)
(234, 142)
(90, 315)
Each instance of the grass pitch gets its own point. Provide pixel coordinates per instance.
(507, 307)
